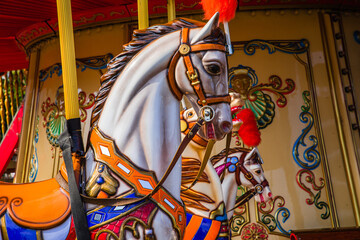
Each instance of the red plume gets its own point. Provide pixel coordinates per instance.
(226, 9)
(248, 131)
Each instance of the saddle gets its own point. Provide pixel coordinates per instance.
(40, 205)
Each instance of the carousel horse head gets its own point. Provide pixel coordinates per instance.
(190, 55)
(208, 88)
(246, 165)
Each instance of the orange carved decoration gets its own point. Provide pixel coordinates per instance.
(40, 205)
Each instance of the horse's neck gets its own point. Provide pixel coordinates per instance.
(142, 115)
(229, 188)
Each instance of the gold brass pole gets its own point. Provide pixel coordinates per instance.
(143, 14)
(72, 155)
(28, 123)
(171, 10)
(67, 49)
(343, 147)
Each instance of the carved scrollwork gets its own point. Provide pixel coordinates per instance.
(294, 47)
(95, 63)
(3, 202)
(274, 86)
(272, 220)
(54, 114)
(314, 199)
(268, 207)
(236, 224)
(311, 156)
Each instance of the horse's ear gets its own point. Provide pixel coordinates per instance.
(254, 154)
(207, 29)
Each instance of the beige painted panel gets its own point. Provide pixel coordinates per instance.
(279, 137)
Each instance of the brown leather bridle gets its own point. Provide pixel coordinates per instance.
(185, 49)
(259, 187)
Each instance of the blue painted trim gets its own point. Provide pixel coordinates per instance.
(16, 232)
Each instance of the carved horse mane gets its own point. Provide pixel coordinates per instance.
(190, 168)
(141, 38)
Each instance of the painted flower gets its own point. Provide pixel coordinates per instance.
(232, 161)
(254, 231)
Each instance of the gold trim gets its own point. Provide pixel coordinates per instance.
(118, 216)
(318, 128)
(28, 123)
(246, 218)
(343, 147)
(4, 234)
(39, 235)
(2, 106)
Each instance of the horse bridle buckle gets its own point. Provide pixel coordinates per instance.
(259, 189)
(193, 77)
(184, 49)
(248, 176)
(207, 113)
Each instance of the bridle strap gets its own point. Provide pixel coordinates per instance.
(127, 201)
(184, 50)
(248, 175)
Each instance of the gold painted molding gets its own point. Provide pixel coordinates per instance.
(318, 129)
(340, 128)
(28, 123)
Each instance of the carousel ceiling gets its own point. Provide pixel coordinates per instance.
(24, 21)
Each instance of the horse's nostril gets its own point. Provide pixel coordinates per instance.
(270, 194)
(226, 126)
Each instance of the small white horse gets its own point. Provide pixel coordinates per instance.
(135, 134)
(215, 193)
(242, 167)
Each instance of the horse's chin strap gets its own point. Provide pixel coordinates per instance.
(185, 49)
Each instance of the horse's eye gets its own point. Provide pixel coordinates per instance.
(213, 69)
(258, 171)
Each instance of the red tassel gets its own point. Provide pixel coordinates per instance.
(226, 9)
(248, 131)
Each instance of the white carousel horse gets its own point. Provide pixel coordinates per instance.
(210, 198)
(242, 167)
(135, 134)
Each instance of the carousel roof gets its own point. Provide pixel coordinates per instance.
(17, 15)
(24, 21)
